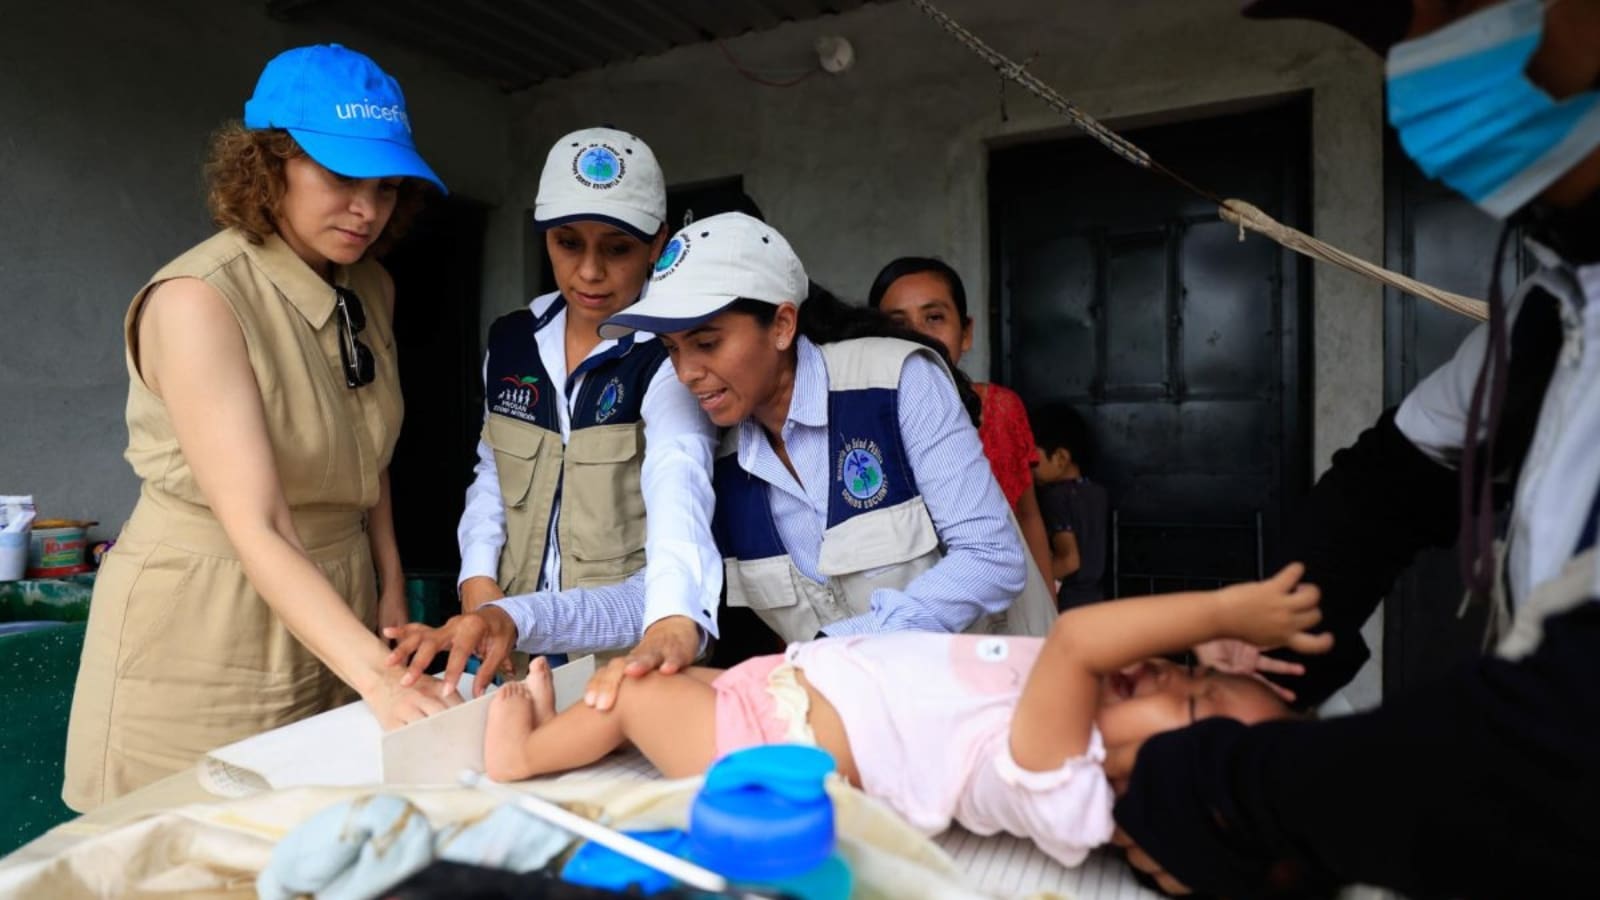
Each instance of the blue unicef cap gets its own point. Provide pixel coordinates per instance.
(762, 813)
(345, 112)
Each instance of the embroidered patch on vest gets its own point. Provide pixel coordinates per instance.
(597, 166)
(860, 473)
(515, 396)
(611, 398)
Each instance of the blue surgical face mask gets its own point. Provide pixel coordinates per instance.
(1466, 112)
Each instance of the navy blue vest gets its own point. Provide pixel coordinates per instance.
(868, 470)
(517, 385)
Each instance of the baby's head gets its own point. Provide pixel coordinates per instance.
(1158, 696)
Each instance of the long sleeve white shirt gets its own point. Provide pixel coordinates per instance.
(1562, 471)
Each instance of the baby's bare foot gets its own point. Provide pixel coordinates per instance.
(541, 687)
(513, 714)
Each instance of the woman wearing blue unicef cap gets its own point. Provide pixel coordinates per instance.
(1484, 782)
(263, 406)
(582, 437)
(853, 496)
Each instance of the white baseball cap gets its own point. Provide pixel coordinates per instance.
(708, 265)
(602, 175)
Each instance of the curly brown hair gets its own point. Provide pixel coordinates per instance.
(245, 182)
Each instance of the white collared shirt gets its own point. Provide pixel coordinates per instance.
(1561, 474)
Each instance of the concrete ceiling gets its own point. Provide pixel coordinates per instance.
(517, 43)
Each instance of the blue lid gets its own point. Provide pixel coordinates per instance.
(763, 814)
(601, 867)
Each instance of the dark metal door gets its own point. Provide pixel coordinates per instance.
(1185, 349)
(1435, 236)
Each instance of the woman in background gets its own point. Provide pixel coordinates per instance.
(927, 296)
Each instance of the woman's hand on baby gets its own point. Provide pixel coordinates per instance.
(489, 633)
(668, 646)
(1237, 657)
(1274, 613)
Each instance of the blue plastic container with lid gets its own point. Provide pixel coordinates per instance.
(763, 819)
(597, 866)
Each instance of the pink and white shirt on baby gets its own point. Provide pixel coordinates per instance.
(929, 721)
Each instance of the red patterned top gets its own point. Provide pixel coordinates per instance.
(1007, 440)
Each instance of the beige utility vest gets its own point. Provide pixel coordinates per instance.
(883, 544)
(595, 473)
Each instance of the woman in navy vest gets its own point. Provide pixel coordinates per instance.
(852, 492)
(582, 435)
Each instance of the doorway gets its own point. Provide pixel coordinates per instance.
(437, 271)
(1186, 351)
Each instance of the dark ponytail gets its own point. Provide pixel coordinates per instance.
(825, 319)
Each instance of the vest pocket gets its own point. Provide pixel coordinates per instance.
(516, 456)
(602, 507)
(793, 606)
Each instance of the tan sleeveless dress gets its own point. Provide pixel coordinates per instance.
(182, 655)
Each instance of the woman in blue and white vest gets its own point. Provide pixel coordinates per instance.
(852, 491)
(583, 436)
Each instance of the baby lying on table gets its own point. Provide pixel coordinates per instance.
(996, 733)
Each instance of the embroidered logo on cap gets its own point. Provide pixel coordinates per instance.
(597, 166)
(610, 400)
(366, 109)
(860, 470)
(672, 255)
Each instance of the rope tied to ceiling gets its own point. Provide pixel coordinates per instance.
(1238, 212)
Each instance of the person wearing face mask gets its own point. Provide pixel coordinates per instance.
(1484, 783)
(593, 459)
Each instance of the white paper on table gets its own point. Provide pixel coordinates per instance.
(346, 747)
(435, 750)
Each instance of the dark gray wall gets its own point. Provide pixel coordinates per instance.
(104, 112)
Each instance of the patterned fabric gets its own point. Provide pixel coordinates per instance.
(1007, 440)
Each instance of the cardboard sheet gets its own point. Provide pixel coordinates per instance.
(346, 747)
(434, 750)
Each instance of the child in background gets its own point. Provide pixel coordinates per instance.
(996, 733)
(1075, 509)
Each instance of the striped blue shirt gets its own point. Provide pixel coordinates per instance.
(982, 570)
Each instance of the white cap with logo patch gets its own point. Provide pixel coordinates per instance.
(602, 175)
(708, 265)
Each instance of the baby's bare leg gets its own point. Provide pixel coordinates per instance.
(670, 718)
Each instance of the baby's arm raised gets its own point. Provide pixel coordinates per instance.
(1056, 712)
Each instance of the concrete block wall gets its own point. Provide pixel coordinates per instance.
(105, 108)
